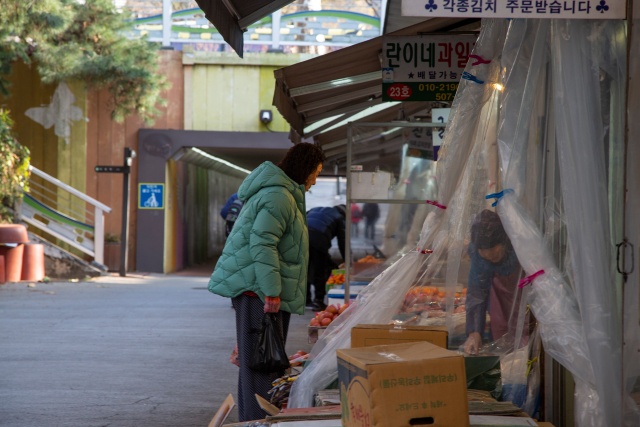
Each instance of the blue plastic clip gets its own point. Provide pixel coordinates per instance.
(471, 77)
(498, 196)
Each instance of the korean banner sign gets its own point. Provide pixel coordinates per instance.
(424, 68)
(565, 9)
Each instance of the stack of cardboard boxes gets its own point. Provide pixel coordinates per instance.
(404, 376)
(399, 377)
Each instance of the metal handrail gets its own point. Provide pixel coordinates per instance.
(97, 248)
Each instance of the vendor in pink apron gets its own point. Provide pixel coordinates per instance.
(493, 283)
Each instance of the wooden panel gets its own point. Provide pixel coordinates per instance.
(229, 97)
(188, 96)
(171, 63)
(27, 92)
(245, 106)
(221, 90)
(92, 146)
(107, 140)
(109, 188)
(201, 93)
(72, 162)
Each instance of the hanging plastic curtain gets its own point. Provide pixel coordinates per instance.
(516, 245)
(631, 287)
(565, 314)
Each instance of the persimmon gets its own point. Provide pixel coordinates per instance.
(332, 309)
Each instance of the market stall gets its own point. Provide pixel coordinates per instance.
(492, 155)
(535, 137)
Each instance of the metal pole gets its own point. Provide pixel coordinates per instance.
(275, 29)
(167, 20)
(124, 235)
(347, 240)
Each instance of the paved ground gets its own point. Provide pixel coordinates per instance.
(145, 350)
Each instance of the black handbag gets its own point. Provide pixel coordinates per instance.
(269, 354)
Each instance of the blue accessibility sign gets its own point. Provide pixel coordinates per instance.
(150, 196)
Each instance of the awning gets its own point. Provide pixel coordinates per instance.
(318, 97)
(232, 17)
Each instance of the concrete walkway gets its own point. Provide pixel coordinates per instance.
(143, 350)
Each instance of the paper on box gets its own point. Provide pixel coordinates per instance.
(366, 335)
(501, 421)
(401, 385)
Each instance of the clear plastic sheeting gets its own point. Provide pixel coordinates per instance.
(581, 150)
(520, 247)
(631, 291)
(376, 304)
(392, 178)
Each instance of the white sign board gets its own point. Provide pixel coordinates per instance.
(551, 9)
(439, 115)
(419, 142)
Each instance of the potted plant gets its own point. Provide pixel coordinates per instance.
(14, 169)
(112, 252)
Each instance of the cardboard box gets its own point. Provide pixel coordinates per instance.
(401, 385)
(368, 335)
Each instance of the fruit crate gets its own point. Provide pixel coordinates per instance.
(315, 332)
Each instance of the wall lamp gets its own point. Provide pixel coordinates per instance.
(266, 116)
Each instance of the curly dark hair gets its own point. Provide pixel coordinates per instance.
(487, 230)
(301, 161)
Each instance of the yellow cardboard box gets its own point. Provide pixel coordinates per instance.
(402, 385)
(365, 335)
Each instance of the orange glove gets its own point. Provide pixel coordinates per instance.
(271, 304)
(234, 356)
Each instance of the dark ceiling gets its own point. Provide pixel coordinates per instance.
(248, 158)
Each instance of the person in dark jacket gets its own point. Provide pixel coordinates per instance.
(370, 213)
(230, 212)
(263, 266)
(493, 282)
(324, 224)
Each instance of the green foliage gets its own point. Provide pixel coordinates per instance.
(26, 26)
(111, 238)
(14, 168)
(68, 40)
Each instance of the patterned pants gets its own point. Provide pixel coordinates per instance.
(249, 312)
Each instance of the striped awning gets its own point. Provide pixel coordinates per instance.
(320, 96)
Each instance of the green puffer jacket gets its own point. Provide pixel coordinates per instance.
(267, 251)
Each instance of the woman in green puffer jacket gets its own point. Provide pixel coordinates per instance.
(263, 266)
